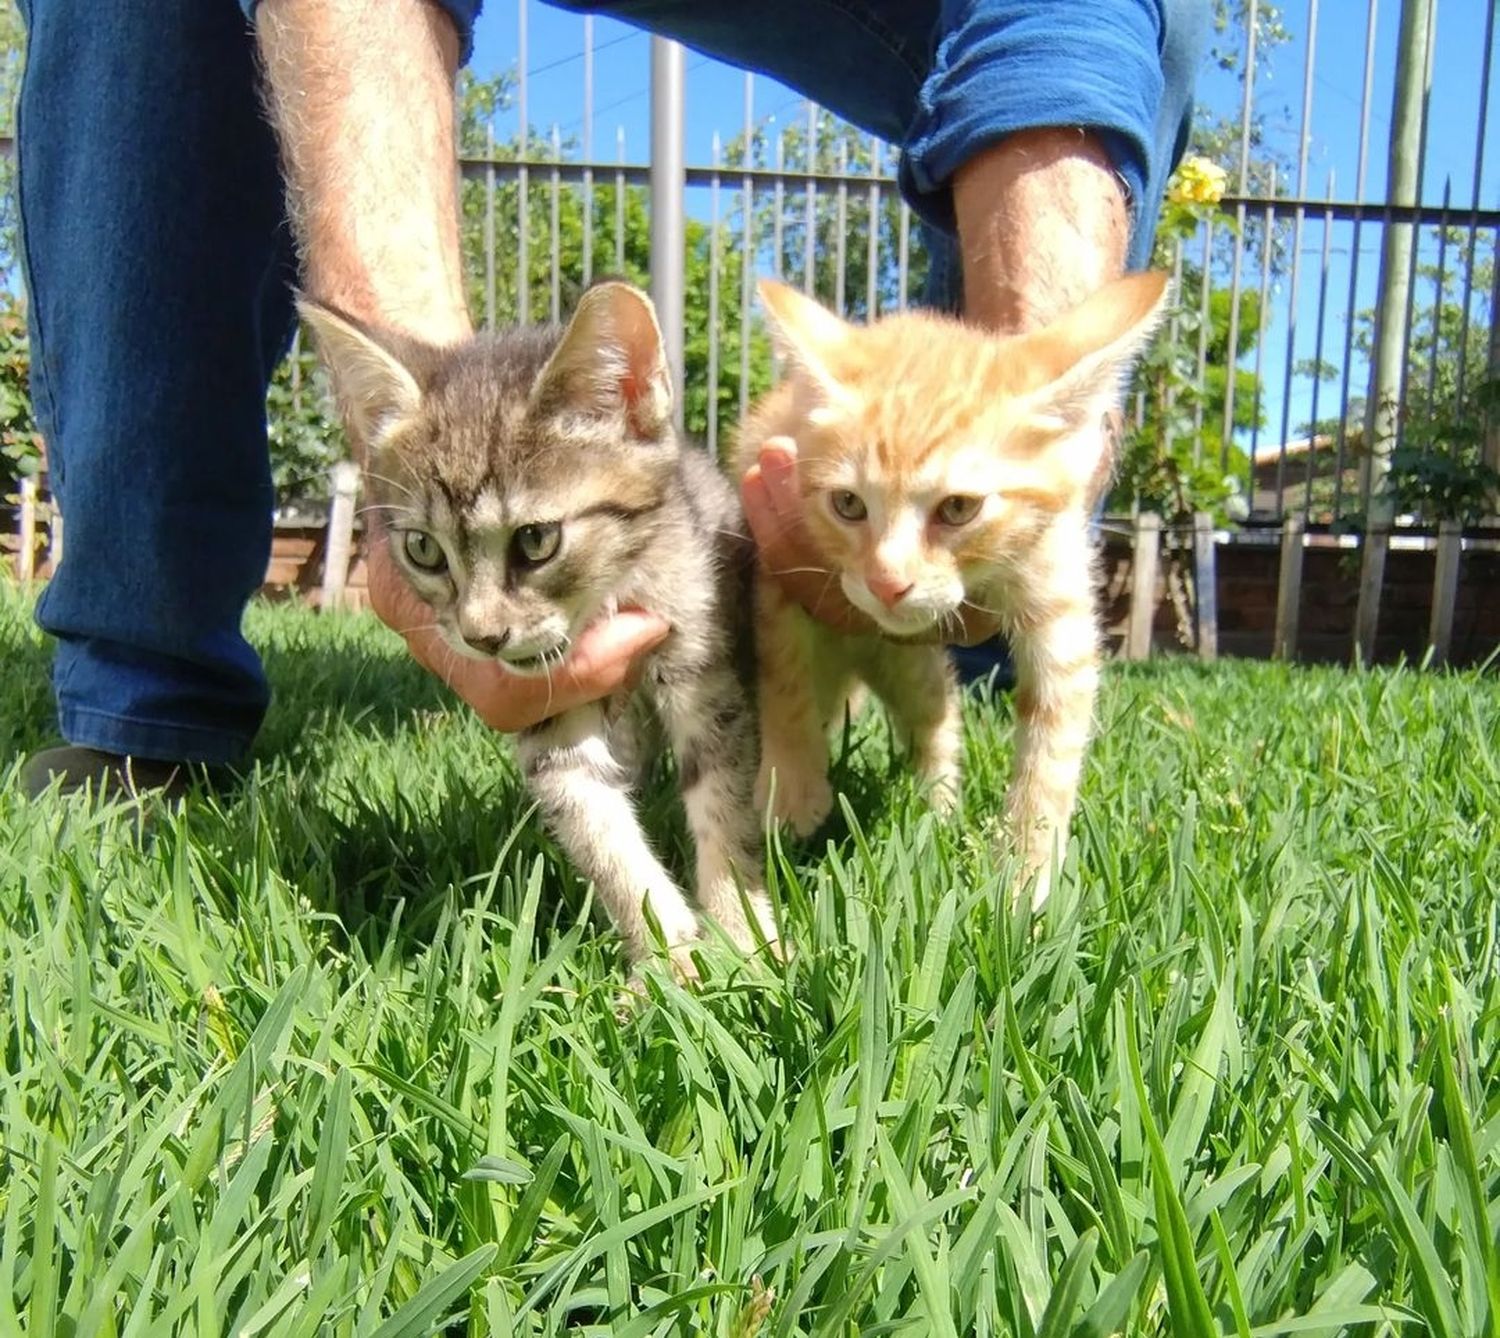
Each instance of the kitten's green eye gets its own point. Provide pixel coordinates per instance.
(847, 505)
(424, 552)
(958, 509)
(534, 544)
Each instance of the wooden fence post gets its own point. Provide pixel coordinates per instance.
(54, 535)
(26, 554)
(1143, 585)
(1445, 589)
(345, 475)
(1289, 589)
(1377, 543)
(1205, 586)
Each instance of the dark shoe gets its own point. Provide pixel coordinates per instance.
(110, 775)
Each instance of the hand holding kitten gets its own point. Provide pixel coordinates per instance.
(601, 662)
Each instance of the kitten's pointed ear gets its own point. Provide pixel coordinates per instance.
(1082, 356)
(612, 360)
(374, 386)
(805, 330)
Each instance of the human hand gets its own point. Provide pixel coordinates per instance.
(773, 508)
(602, 660)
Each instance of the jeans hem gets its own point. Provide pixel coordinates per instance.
(149, 739)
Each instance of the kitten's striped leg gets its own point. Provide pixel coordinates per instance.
(793, 782)
(584, 798)
(711, 719)
(1057, 673)
(920, 690)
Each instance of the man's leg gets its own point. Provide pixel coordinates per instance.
(159, 270)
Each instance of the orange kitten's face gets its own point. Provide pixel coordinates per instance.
(931, 455)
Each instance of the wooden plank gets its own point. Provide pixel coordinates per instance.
(26, 554)
(1143, 585)
(1377, 544)
(1445, 589)
(1289, 589)
(1205, 586)
(345, 477)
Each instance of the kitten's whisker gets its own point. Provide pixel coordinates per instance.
(794, 571)
(980, 608)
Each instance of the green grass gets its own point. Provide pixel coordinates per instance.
(339, 1056)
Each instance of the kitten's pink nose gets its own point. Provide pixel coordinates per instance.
(889, 589)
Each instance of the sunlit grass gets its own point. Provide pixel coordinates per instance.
(335, 1055)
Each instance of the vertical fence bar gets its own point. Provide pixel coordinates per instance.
(1437, 299)
(1484, 103)
(620, 200)
(872, 240)
(588, 149)
(747, 247)
(842, 225)
(523, 176)
(779, 207)
(1349, 310)
(1246, 106)
(903, 256)
(1289, 589)
(1169, 397)
(1263, 317)
(26, 532)
(668, 178)
(1205, 586)
(1492, 370)
(711, 385)
(1445, 589)
(489, 228)
(1298, 217)
(1143, 569)
(1203, 323)
(1312, 431)
(810, 202)
(340, 535)
(555, 226)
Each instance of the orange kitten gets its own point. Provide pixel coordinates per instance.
(941, 467)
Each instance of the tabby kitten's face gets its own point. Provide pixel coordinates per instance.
(518, 475)
(932, 455)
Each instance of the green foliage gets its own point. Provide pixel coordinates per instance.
(302, 427)
(1438, 472)
(20, 442)
(336, 1052)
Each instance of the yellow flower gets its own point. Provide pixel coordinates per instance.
(1197, 181)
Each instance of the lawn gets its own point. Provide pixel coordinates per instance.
(340, 1055)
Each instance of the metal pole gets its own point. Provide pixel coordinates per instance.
(872, 241)
(523, 210)
(489, 228)
(1484, 103)
(1231, 348)
(747, 248)
(1359, 195)
(810, 199)
(712, 379)
(588, 149)
(554, 230)
(668, 177)
(1386, 371)
(620, 201)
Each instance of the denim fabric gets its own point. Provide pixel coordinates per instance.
(159, 267)
(945, 79)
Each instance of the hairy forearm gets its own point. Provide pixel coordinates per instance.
(362, 98)
(1042, 223)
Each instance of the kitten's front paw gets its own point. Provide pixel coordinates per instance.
(741, 932)
(796, 797)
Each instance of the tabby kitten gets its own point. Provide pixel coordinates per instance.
(943, 469)
(532, 481)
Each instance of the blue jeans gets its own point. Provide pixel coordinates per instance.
(160, 268)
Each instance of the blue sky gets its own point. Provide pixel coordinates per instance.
(715, 97)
